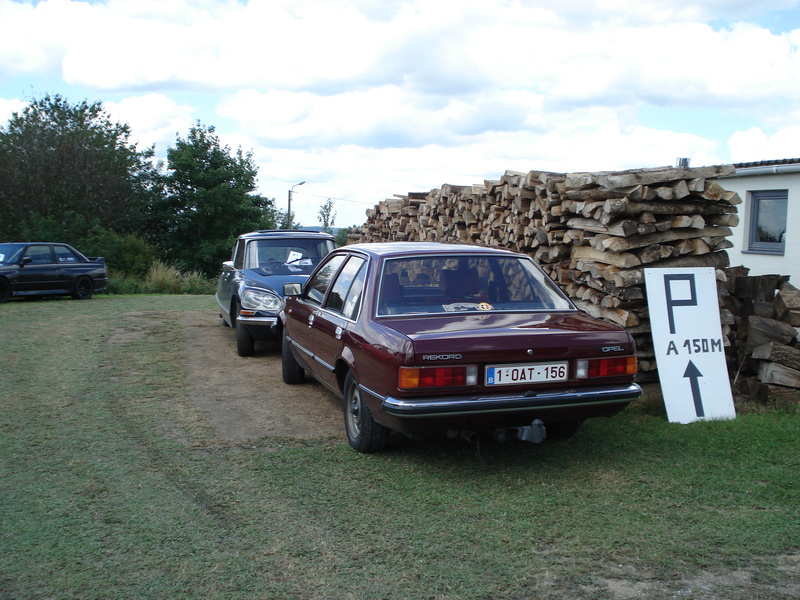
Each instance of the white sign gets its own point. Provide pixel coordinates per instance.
(684, 319)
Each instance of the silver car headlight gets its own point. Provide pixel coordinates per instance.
(261, 300)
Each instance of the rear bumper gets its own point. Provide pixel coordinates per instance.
(529, 402)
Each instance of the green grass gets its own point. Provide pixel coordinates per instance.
(111, 486)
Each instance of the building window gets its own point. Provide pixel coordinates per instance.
(768, 221)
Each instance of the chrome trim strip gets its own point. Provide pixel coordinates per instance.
(454, 405)
(311, 355)
(268, 321)
(299, 347)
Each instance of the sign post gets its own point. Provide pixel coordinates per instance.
(687, 336)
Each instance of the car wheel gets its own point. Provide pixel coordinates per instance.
(292, 371)
(83, 289)
(563, 430)
(363, 432)
(245, 344)
(5, 291)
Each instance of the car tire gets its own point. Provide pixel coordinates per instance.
(291, 370)
(5, 290)
(563, 430)
(83, 289)
(245, 344)
(363, 432)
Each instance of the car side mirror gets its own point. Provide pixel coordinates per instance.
(26, 260)
(292, 289)
(227, 265)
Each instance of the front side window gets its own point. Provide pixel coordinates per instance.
(10, 253)
(345, 294)
(317, 287)
(238, 254)
(440, 284)
(40, 255)
(768, 210)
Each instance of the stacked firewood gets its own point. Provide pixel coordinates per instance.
(594, 233)
(764, 321)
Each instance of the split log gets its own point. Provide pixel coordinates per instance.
(787, 305)
(630, 277)
(617, 244)
(622, 179)
(778, 374)
(762, 331)
(623, 260)
(624, 206)
(778, 353)
(623, 317)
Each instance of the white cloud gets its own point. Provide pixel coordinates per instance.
(9, 107)
(366, 98)
(153, 118)
(755, 145)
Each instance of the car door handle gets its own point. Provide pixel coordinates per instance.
(310, 320)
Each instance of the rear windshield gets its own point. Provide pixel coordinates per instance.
(441, 284)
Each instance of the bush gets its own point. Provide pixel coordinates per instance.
(168, 279)
(161, 278)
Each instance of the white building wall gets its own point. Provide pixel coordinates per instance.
(766, 264)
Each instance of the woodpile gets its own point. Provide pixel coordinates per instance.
(765, 327)
(594, 233)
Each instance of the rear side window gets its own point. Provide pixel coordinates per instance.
(65, 255)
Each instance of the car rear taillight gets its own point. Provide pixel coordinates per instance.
(605, 367)
(433, 377)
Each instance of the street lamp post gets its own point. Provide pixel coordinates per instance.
(289, 208)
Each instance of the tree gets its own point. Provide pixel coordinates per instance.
(70, 169)
(341, 235)
(209, 201)
(326, 216)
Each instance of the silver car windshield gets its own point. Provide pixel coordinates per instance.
(449, 284)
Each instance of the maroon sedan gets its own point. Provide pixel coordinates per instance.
(420, 337)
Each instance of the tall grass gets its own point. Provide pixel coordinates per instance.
(162, 278)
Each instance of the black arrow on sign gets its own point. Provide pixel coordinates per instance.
(693, 373)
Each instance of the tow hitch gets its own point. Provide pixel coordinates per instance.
(535, 433)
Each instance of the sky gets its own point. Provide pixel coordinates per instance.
(365, 99)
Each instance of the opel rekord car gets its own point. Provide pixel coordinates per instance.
(250, 288)
(419, 337)
(31, 269)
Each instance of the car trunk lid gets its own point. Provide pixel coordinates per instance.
(511, 337)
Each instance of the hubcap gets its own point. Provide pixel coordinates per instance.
(354, 412)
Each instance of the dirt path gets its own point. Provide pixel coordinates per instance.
(245, 398)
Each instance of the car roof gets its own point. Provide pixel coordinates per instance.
(40, 244)
(264, 234)
(392, 249)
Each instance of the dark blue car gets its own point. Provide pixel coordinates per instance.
(32, 269)
(250, 288)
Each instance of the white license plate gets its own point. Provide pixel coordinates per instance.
(522, 374)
